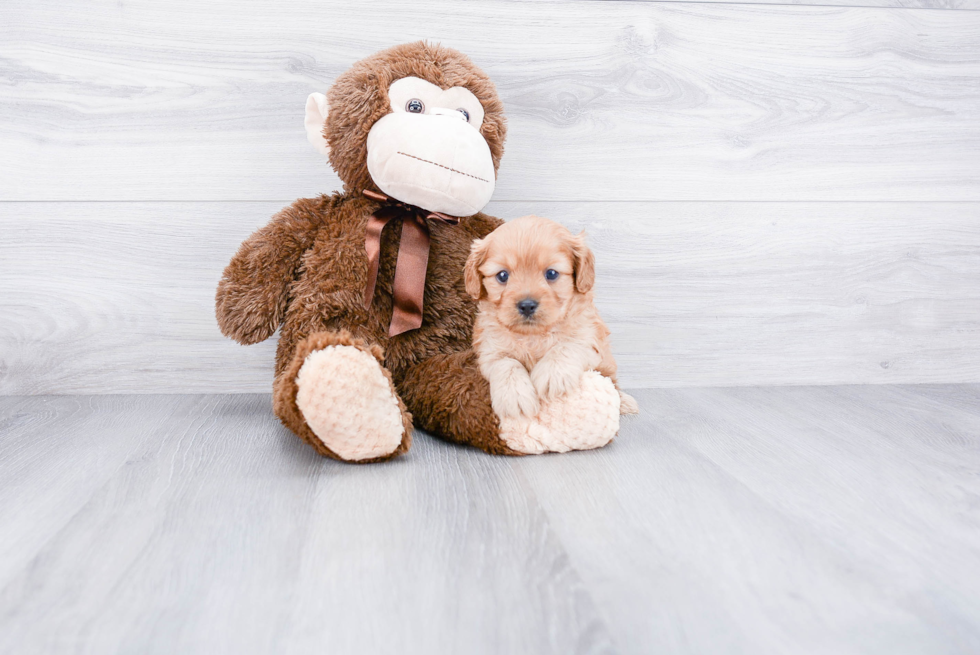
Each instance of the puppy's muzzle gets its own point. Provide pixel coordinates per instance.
(527, 307)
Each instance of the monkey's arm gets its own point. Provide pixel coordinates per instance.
(252, 295)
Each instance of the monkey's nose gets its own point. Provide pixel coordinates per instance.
(526, 307)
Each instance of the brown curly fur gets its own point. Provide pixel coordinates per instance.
(306, 270)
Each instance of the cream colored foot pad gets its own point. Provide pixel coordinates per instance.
(349, 403)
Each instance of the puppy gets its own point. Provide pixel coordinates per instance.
(537, 329)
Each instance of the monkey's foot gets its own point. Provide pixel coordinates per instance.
(586, 418)
(349, 403)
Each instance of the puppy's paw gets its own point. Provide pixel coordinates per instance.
(514, 398)
(551, 380)
(628, 404)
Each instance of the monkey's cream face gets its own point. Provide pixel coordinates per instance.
(429, 151)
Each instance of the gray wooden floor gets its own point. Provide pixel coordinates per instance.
(755, 520)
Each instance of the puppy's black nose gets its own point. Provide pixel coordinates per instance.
(526, 307)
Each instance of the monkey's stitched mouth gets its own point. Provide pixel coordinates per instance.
(441, 166)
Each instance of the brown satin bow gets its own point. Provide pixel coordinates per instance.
(413, 257)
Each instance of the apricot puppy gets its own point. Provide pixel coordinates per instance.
(537, 329)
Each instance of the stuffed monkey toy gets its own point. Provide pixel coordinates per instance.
(366, 285)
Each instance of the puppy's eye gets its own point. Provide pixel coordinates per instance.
(502, 277)
(465, 113)
(414, 106)
(551, 275)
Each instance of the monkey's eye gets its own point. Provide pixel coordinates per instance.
(551, 275)
(465, 114)
(502, 277)
(414, 106)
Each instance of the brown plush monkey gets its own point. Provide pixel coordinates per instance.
(376, 321)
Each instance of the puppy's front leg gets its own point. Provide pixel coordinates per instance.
(511, 391)
(560, 370)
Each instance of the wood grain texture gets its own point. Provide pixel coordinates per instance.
(756, 520)
(967, 5)
(118, 297)
(803, 520)
(607, 100)
(213, 530)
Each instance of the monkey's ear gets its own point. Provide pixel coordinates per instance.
(316, 116)
(471, 272)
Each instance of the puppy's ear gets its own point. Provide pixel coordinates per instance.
(584, 262)
(471, 272)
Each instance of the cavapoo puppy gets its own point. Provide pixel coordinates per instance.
(537, 329)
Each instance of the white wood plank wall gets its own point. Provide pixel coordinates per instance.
(777, 193)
